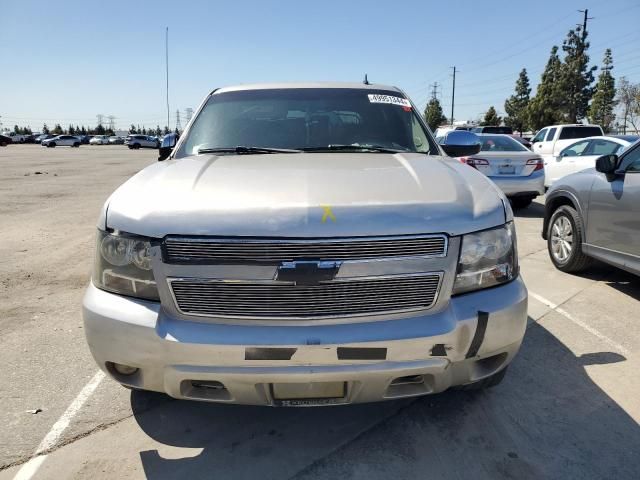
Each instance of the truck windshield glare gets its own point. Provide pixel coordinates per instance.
(308, 118)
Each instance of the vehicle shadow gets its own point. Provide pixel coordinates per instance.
(548, 419)
(535, 210)
(614, 277)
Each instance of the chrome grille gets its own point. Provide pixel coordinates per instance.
(280, 300)
(224, 250)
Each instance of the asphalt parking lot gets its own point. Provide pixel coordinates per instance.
(568, 408)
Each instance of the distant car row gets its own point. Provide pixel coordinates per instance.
(133, 141)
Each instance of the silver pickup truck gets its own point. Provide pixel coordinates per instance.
(306, 244)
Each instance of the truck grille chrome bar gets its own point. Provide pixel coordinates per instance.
(282, 300)
(216, 250)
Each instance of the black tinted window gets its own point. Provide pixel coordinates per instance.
(579, 132)
(502, 130)
(307, 118)
(551, 134)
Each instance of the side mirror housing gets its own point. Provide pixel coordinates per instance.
(607, 164)
(460, 143)
(166, 147)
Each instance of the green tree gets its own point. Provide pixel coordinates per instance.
(158, 130)
(576, 77)
(109, 132)
(433, 114)
(144, 130)
(57, 129)
(99, 130)
(517, 104)
(166, 130)
(83, 130)
(16, 129)
(491, 118)
(545, 107)
(132, 129)
(603, 102)
(45, 129)
(72, 131)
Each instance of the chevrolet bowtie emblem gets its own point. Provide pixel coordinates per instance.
(306, 272)
(327, 214)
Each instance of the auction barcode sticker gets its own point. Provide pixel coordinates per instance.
(401, 102)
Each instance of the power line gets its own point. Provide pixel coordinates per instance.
(453, 93)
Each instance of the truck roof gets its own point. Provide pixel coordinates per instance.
(272, 86)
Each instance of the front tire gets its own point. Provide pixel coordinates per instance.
(51, 145)
(76, 145)
(564, 241)
(136, 146)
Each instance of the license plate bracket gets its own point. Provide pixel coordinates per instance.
(308, 394)
(506, 170)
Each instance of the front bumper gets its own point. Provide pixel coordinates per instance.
(477, 335)
(531, 185)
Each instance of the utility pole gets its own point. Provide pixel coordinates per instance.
(166, 55)
(100, 118)
(112, 123)
(453, 94)
(178, 124)
(584, 23)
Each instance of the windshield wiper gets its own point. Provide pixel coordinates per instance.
(241, 150)
(362, 148)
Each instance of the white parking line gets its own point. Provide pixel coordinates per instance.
(30, 468)
(580, 323)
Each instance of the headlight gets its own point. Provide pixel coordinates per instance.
(487, 259)
(123, 265)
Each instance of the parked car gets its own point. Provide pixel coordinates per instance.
(85, 139)
(583, 154)
(550, 141)
(115, 140)
(493, 129)
(44, 136)
(99, 140)
(141, 141)
(512, 167)
(61, 141)
(4, 140)
(15, 137)
(593, 214)
(246, 266)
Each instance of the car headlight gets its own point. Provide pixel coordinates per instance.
(487, 258)
(123, 265)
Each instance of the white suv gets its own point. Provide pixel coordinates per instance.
(549, 141)
(141, 141)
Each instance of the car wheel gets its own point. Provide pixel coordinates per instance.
(488, 382)
(3, 144)
(52, 144)
(136, 146)
(76, 145)
(521, 202)
(564, 240)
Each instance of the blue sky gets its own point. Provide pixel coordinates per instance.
(68, 62)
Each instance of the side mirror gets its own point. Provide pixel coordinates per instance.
(460, 143)
(166, 147)
(607, 164)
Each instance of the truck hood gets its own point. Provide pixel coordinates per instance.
(305, 195)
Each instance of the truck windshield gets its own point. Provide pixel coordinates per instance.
(323, 119)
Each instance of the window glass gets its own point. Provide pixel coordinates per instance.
(602, 147)
(579, 132)
(294, 118)
(539, 136)
(633, 160)
(551, 134)
(575, 150)
(500, 143)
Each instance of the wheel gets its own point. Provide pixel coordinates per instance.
(521, 202)
(76, 145)
(136, 146)
(3, 144)
(564, 240)
(51, 145)
(488, 382)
